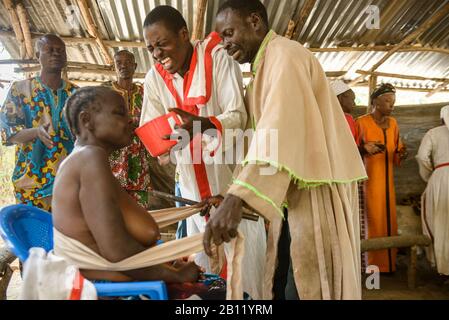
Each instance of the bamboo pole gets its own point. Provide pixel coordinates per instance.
(303, 15)
(400, 76)
(430, 22)
(15, 23)
(198, 25)
(93, 30)
(25, 26)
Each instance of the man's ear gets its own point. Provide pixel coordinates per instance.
(85, 120)
(255, 21)
(37, 54)
(184, 34)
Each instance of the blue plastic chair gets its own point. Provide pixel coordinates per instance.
(23, 227)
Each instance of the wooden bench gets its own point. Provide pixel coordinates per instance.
(403, 241)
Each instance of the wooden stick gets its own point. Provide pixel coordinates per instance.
(198, 24)
(14, 19)
(247, 214)
(93, 30)
(24, 24)
(443, 12)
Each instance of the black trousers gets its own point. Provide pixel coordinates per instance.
(284, 287)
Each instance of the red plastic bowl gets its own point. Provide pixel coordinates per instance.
(151, 133)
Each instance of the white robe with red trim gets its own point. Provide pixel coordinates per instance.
(213, 89)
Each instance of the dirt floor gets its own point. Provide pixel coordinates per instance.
(392, 287)
(429, 285)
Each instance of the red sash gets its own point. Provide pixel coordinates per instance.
(442, 165)
(191, 104)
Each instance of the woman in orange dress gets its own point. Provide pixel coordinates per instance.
(381, 148)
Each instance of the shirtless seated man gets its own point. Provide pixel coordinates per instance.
(90, 206)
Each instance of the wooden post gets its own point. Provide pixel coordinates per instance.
(411, 271)
(93, 30)
(24, 24)
(371, 87)
(198, 24)
(16, 26)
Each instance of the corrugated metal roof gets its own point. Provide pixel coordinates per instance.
(330, 23)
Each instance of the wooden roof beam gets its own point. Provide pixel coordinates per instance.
(14, 19)
(400, 76)
(198, 24)
(429, 23)
(25, 26)
(74, 41)
(292, 32)
(93, 30)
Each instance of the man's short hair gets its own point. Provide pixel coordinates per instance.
(41, 41)
(129, 53)
(171, 17)
(245, 8)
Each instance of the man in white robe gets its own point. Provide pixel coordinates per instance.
(205, 86)
(433, 160)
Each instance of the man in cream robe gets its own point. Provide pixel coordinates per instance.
(433, 160)
(316, 166)
(211, 89)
